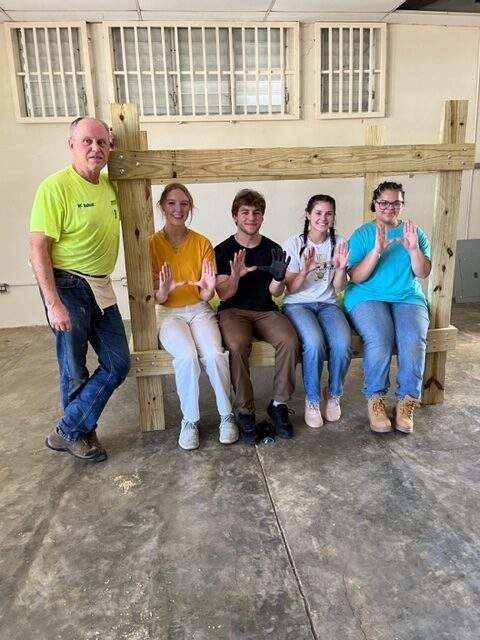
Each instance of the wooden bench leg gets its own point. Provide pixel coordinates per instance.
(434, 378)
(150, 401)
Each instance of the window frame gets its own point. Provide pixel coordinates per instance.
(15, 82)
(294, 56)
(378, 113)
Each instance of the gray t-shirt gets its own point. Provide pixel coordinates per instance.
(317, 286)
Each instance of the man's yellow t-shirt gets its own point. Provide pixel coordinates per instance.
(186, 262)
(82, 218)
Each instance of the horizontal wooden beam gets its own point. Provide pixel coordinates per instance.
(214, 165)
(159, 362)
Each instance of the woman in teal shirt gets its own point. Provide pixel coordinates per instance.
(386, 305)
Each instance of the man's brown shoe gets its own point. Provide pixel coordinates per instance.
(404, 414)
(93, 441)
(377, 413)
(79, 448)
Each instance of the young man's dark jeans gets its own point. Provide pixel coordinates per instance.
(84, 397)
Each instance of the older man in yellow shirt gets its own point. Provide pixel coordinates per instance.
(75, 228)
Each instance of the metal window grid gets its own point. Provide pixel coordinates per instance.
(350, 70)
(206, 71)
(50, 67)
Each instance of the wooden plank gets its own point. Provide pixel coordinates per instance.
(137, 227)
(159, 362)
(444, 242)
(213, 165)
(374, 136)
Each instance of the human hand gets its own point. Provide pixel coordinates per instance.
(381, 242)
(278, 267)
(166, 283)
(310, 262)
(207, 278)
(341, 255)
(58, 316)
(409, 238)
(237, 265)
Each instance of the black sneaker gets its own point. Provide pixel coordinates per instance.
(248, 428)
(279, 414)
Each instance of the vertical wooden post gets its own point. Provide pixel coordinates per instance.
(137, 227)
(444, 241)
(374, 135)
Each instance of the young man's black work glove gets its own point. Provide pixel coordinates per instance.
(278, 267)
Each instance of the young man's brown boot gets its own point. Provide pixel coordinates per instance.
(377, 413)
(404, 414)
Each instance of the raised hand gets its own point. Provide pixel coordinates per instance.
(410, 238)
(166, 283)
(237, 265)
(340, 257)
(278, 267)
(310, 262)
(381, 242)
(207, 278)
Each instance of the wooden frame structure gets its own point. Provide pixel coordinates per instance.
(134, 167)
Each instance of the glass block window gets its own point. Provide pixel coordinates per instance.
(206, 71)
(350, 64)
(50, 71)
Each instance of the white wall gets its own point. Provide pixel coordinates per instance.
(427, 65)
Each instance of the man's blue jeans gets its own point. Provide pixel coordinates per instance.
(382, 326)
(325, 335)
(84, 397)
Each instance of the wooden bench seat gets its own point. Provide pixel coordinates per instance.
(159, 362)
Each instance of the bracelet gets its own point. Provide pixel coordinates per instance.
(379, 255)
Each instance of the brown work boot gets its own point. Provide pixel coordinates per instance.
(404, 414)
(377, 413)
(79, 448)
(92, 440)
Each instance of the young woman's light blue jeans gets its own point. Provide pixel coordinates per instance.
(325, 335)
(382, 326)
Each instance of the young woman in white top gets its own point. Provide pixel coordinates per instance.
(318, 261)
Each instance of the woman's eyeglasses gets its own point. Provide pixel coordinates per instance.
(385, 204)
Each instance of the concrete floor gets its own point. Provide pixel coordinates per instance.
(338, 534)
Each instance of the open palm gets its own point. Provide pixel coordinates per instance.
(310, 262)
(207, 278)
(381, 242)
(166, 283)
(409, 238)
(340, 257)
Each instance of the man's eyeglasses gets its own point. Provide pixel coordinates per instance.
(385, 204)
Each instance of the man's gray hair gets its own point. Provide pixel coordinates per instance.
(75, 123)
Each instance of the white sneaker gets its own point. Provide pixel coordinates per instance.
(313, 417)
(332, 410)
(228, 430)
(189, 438)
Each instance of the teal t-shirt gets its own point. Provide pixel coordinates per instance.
(392, 279)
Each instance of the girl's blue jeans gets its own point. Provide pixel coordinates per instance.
(325, 336)
(382, 327)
